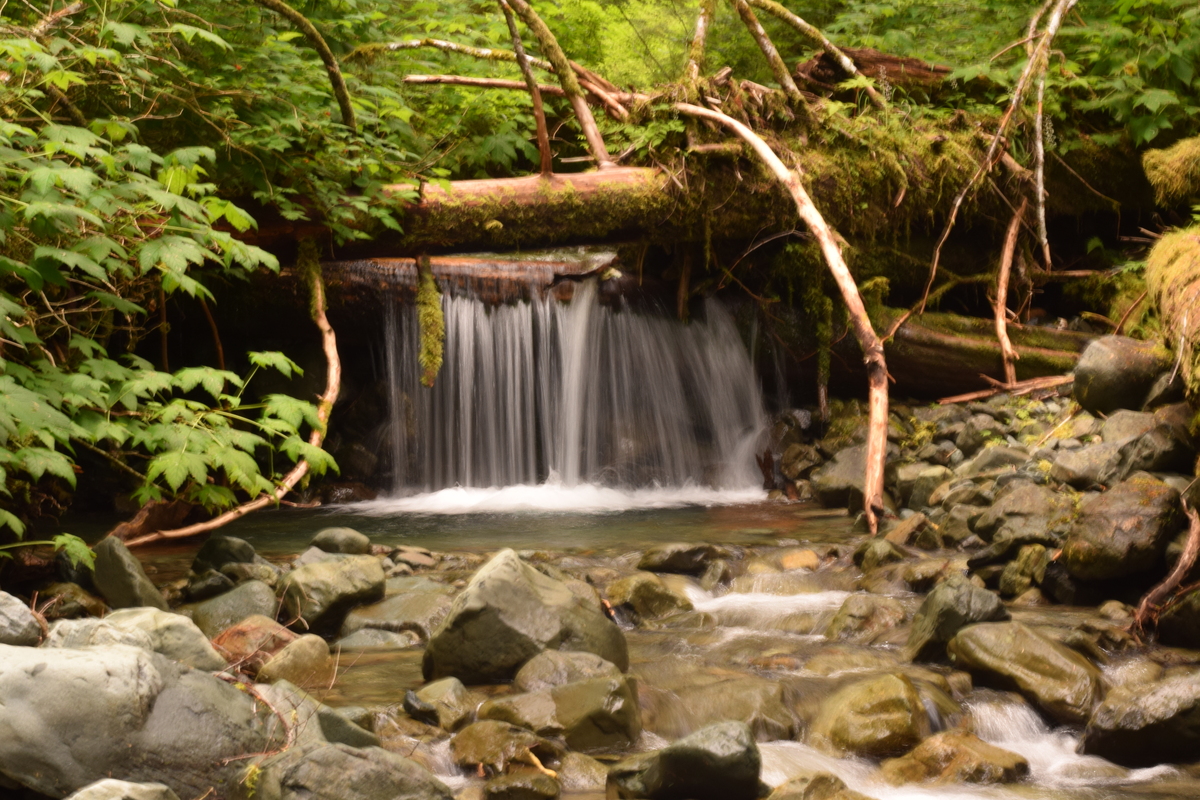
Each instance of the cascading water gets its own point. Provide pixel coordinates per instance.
(573, 393)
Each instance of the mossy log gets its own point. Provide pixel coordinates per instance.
(1173, 278)
(936, 354)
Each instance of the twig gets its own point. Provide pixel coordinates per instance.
(216, 334)
(1018, 388)
(1007, 353)
(1039, 170)
(1128, 312)
(1149, 606)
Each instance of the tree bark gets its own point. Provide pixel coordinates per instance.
(818, 38)
(872, 347)
(333, 380)
(691, 70)
(336, 81)
(535, 94)
(783, 76)
(566, 77)
(1006, 258)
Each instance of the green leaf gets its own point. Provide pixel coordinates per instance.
(75, 549)
(8, 520)
(39, 461)
(213, 380)
(274, 360)
(176, 467)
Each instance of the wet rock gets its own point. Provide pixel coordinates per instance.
(799, 460)
(1087, 466)
(1123, 531)
(172, 635)
(71, 600)
(304, 662)
(875, 553)
(955, 757)
(414, 557)
(452, 705)
(18, 626)
(834, 482)
(1124, 425)
(598, 713)
(647, 596)
(876, 717)
(509, 613)
(560, 667)
(318, 596)
(580, 773)
(250, 599)
(1147, 724)
(902, 531)
(757, 702)
(1167, 388)
(863, 618)
(374, 639)
(241, 573)
(1117, 372)
(1024, 508)
(952, 605)
(979, 430)
(815, 786)
(218, 550)
(112, 789)
(1027, 569)
(1006, 544)
(420, 609)
(119, 577)
(1162, 449)
(957, 526)
(1059, 680)
(495, 744)
(346, 541)
(325, 770)
(144, 719)
(525, 784)
(209, 583)
(926, 483)
(534, 711)
(993, 459)
(720, 762)
(682, 557)
(252, 642)
(799, 558)
(1179, 625)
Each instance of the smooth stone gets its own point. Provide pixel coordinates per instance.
(646, 595)
(834, 482)
(252, 642)
(326, 771)
(18, 625)
(952, 605)
(864, 617)
(375, 638)
(113, 789)
(452, 704)
(250, 599)
(320, 595)
(172, 635)
(1116, 372)
(219, 550)
(120, 579)
(1124, 531)
(420, 610)
(342, 540)
(559, 667)
(955, 757)
(305, 662)
(719, 762)
(683, 557)
(874, 718)
(1147, 724)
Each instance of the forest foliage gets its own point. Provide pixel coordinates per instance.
(140, 138)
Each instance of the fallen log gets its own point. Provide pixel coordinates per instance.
(910, 75)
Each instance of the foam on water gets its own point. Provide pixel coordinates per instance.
(772, 604)
(585, 498)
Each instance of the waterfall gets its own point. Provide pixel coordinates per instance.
(576, 393)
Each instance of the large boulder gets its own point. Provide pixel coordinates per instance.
(1141, 725)
(172, 635)
(18, 626)
(113, 789)
(841, 475)
(720, 762)
(420, 610)
(1057, 679)
(252, 598)
(319, 595)
(510, 612)
(1123, 531)
(324, 771)
(952, 605)
(119, 577)
(220, 550)
(73, 717)
(1024, 507)
(875, 717)
(1116, 372)
(955, 757)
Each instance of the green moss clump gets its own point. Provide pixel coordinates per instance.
(431, 322)
(1173, 278)
(1174, 172)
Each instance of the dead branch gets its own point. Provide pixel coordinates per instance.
(1039, 170)
(336, 81)
(1006, 258)
(566, 77)
(485, 53)
(1017, 388)
(216, 334)
(535, 94)
(1128, 312)
(691, 70)
(483, 83)
(818, 38)
(1040, 53)
(871, 346)
(783, 76)
(1149, 607)
(309, 260)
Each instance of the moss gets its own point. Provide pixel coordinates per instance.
(1174, 172)
(1173, 278)
(431, 322)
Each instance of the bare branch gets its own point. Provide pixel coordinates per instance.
(535, 94)
(783, 75)
(336, 81)
(691, 70)
(1007, 353)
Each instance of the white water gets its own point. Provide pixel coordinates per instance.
(579, 392)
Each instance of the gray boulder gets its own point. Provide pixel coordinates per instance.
(320, 595)
(75, 634)
(979, 430)
(120, 579)
(421, 610)
(73, 717)
(1141, 725)
(510, 612)
(842, 474)
(720, 762)
(252, 598)
(1117, 372)
(113, 789)
(324, 771)
(688, 558)
(1123, 531)
(342, 540)
(220, 550)
(172, 635)
(757, 702)
(1059, 680)
(559, 667)
(18, 626)
(952, 605)
(1125, 425)
(1024, 507)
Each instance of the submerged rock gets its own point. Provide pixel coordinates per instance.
(1123, 531)
(720, 762)
(876, 717)
(955, 757)
(525, 784)
(864, 617)
(688, 558)
(509, 613)
(1059, 680)
(1147, 724)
